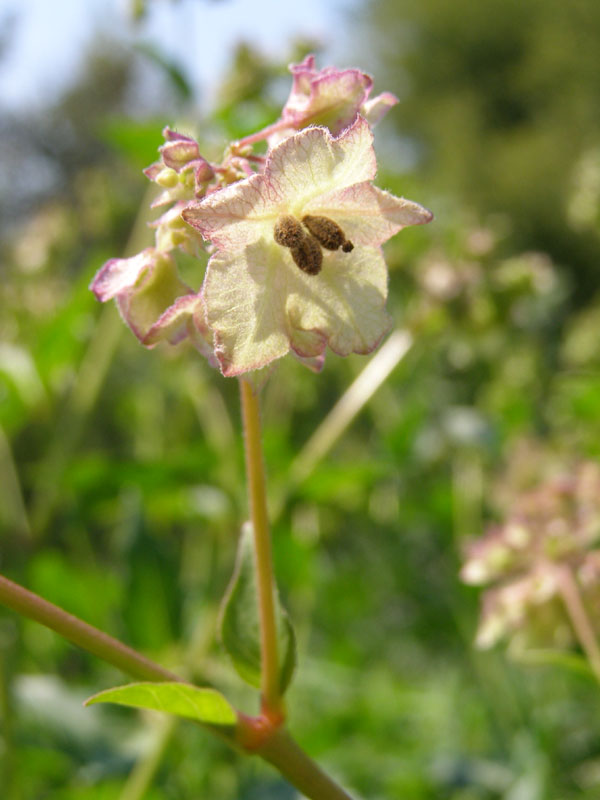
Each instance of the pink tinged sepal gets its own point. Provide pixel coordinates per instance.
(181, 171)
(314, 363)
(181, 151)
(152, 172)
(313, 162)
(375, 109)
(330, 97)
(178, 154)
(151, 297)
(121, 274)
(172, 325)
(174, 136)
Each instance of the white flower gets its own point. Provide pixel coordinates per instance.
(269, 289)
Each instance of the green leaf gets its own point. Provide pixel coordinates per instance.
(240, 624)
(192, 702)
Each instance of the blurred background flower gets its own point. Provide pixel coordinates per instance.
(549, 532)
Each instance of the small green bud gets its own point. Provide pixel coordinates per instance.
(167, 178)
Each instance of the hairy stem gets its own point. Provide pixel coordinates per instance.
(260, 136)
(80, 633)
(262, 544)
(578, 615)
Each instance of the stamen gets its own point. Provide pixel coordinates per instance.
(308, 255)
(287, 231)
(327, 232)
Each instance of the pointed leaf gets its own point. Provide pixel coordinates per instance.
(192, 702)
(240, 624)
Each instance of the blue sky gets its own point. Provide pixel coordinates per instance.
(50, 36)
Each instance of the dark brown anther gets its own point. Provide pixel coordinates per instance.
(327, 232)
(288, 232)
(308, 255)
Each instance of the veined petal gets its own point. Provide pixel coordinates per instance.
(301, 168)
(236, 215)
(366, 214)
(260, 304)
(347, 302)
(244, 292)
(312, 163)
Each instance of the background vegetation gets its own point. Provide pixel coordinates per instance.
(121, 472)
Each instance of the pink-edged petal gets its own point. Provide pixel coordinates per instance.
(312, 162)
(297, 171)
(120, 274)
(366, 214)
(200, 334)
(375, 109)
(260, 304)
(244, 293)
(236, 215)
(172, 325)
(143, 306)
(345, 302)
(306, 344)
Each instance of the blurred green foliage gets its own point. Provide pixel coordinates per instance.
(122, 487)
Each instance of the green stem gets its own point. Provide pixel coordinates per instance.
(80, 633)
(279, 749)
(301, 771)
(262, 543)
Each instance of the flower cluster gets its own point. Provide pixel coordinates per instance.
(294, 236)
(553, 528)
